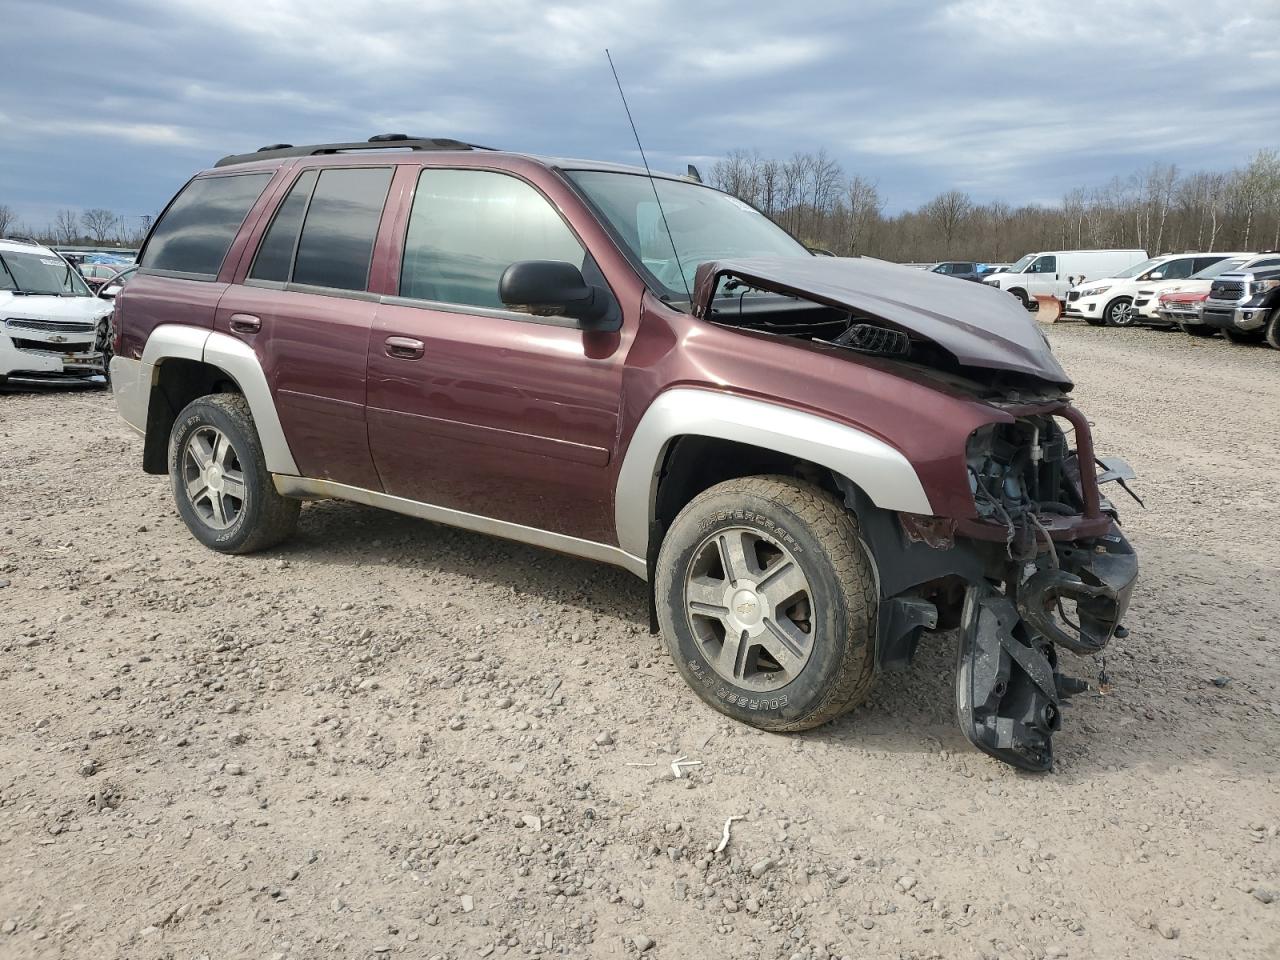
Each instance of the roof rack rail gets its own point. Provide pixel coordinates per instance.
(20, 238)
(382, 141)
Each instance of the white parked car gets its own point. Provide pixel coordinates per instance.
(1052, 272)
(52, 328)
(1110, 300)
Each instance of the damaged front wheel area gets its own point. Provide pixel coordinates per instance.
(1009, 692)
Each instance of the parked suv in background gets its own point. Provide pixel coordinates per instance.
(1245, 305)
(1109, 300)
(961, 269)
(811, 460)
(51, 326)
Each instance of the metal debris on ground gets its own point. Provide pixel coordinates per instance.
(679, 763)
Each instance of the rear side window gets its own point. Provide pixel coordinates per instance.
(468, 226)
(341, 223)
(275, 257)
(195, 233)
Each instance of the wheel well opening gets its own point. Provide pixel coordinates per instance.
(694, 464)
(178, 381)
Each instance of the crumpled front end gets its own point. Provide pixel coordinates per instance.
(1042, 565)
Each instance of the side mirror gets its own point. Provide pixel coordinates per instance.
(1154, 275)
(553, 288)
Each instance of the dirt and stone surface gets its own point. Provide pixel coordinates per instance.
(392, 739)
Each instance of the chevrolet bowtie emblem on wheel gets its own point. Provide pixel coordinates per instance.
(746, 609)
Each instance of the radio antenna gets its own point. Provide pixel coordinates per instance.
(652, 182)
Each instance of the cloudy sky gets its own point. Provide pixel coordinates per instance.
(116, 103)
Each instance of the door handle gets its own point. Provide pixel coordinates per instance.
(245, 323)
(405, 348)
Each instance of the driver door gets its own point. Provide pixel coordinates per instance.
(1043, 278)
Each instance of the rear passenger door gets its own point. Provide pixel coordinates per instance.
(305, 308)
(472, 405)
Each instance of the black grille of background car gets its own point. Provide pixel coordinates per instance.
(77, 347)
(1226, 290)
(49, 326)
(1073, 295)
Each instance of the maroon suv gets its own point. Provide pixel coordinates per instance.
(812, 460)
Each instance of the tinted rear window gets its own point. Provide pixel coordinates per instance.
(196, 231)
(342, 222)
(275, 256)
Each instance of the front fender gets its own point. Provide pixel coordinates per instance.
(877, 468)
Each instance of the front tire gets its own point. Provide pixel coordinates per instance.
(767, 603)
(1272, 331)
(1244, 336)
(220, 479)
(1119, 313)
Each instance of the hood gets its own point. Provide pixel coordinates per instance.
(38, 307)
(979, 326)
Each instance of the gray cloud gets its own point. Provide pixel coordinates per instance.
(116, 105)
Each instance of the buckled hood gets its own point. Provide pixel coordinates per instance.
(980, 326)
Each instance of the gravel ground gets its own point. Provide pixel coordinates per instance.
(389, 738)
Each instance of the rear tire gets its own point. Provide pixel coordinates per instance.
(1119, 312)
(767, 603)
(221, 484)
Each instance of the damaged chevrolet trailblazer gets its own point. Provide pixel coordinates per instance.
(813, 461)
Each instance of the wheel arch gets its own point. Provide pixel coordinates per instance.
(182, 363)
(691, 439)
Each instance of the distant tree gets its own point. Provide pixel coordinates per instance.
(100, 223)
(863, 209)
(7, 218)
(66, 227)
(948, 211)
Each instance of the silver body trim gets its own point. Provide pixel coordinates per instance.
(881, 471)
(238, 359)
(132, 388)
(293, 486)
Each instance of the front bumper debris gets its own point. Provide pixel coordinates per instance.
(1009, 693)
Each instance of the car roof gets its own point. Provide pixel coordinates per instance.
(411, 149)
(23, 246)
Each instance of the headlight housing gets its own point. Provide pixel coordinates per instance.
(1095, 291)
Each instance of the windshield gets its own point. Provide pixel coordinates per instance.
(1222, 266)
(1137, 268)
(40, 274)
(1021, 265)
(705, 225)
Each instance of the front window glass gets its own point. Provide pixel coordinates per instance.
(1021, 265)
(705, 225)
(1136, 269)
(1045, 265)
(1176, 269)
(468, 226)
(195, 233)
(40, 274)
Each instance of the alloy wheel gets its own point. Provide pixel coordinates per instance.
(1122, 314)
(213, 477)
(750, 608)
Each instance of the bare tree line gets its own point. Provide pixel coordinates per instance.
(1158, 209)
(96, 226)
